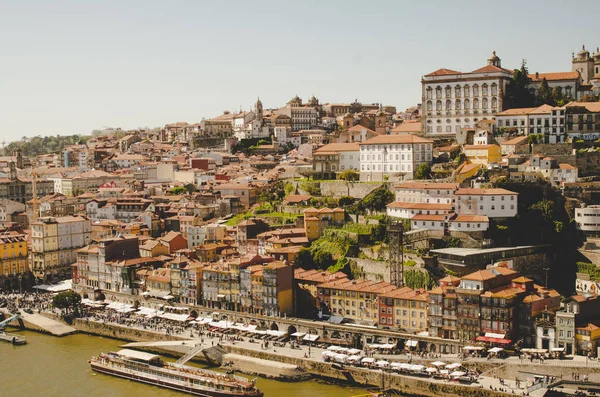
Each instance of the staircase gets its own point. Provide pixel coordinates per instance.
(189, 355)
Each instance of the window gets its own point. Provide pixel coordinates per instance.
(484, 89)
(448, 104)
(466, 91)
(457, 91)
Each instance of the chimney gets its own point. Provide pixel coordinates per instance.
(537, 75)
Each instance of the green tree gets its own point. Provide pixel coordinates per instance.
(289, 189)
(349, 175)
(423, 171)
(518, 93)
(67, 300)
(346, 200)
(190, 188)
(355, 107)
(378, 199)
(323, 259)
(177, 190)
(545, 93)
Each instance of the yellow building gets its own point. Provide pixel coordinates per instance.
(353, 299)
(316, 221)
(587, 339)
(13, 260)
(466, 171)
(404, 308)
(153, 248)
(483, 154)
(44, 248)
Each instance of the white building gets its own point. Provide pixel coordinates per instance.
(336, 157)
(454, 100)
(393, 157)
(405, 210)
(303, 117)
(426, 192)
(493, 203)
(126, 160)
(545, 120)
(251, 125)
(588, 219)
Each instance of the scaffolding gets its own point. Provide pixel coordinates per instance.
(396, 233)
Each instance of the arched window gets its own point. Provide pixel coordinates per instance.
(438, 92)
(457, 91)
(484, 89)
(448, 104)
(467, 91)
(457, 104)
(475, 90)
(429, 106)
(438, 106)
(448, 91)
(484, 103)
(494, 89)
(467, 104)
(429, 90)
(494, 103)
(475, 103)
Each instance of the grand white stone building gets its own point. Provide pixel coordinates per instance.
(454, 100)
(393, 157)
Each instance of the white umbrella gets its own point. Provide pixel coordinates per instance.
(396, 365)
(333, 348)
(340, 358)
(456, 374)
(405, 366)
(453, 366)
(382, 363)
(354, 358)
(368, 360)
(430, 370)
(438, 363)
(354, 351)
(417, 368)
(444, 372)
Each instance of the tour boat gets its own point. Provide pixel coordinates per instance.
(149, 368)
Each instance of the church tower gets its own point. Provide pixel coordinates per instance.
(258, 110)
(12, 171)
(381, 122)
(584, 64)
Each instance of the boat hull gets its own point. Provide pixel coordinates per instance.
(156, 382)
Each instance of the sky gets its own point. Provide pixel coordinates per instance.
(69, 67)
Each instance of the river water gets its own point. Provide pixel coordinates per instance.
(57, 367)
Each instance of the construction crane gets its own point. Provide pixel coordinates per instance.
(34, 202)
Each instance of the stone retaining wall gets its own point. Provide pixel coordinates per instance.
(123, 333)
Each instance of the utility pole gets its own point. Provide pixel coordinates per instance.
(546, 269)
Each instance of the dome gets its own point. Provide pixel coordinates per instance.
(583, 53)
(347, 115)
(380, 113)
(597, 53)
(494, 57)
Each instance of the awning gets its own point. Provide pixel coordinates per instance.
(472, 348)
(453, 366)
(310, 337)
(495, 350)
(298, 334)
(438, 363)
(457, 374)
(174, 316)
(495, 335)
(493, 340)
(411, 343)
(558, 349)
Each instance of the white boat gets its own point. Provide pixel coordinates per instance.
(149, 368)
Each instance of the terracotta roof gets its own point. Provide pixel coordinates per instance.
(515, 112)
(296, 198)
(515, 141)
(359, 127)
(554, 76)
(475, 147)
(480, 275)
(593, 107)
(428, 185)
(522, 279)
(407, 126)
(405, 138)
(491, 69)
(424, 217)
(443, 72)
(470, 218)
(483, 192)
(419, 206)
(468, 168)
(338, 147)
(564, 166)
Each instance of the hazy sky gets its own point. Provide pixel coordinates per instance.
(73, 66)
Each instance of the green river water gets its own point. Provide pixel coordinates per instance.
(57, 367)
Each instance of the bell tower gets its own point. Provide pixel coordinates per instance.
(258, 109)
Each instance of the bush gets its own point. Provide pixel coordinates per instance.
(349, 175)
(346, 200)
(312, 188)
(423, 171)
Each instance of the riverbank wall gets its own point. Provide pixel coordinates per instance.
(413, 386)
(122, 332)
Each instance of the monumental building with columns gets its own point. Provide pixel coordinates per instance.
(455, 100)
